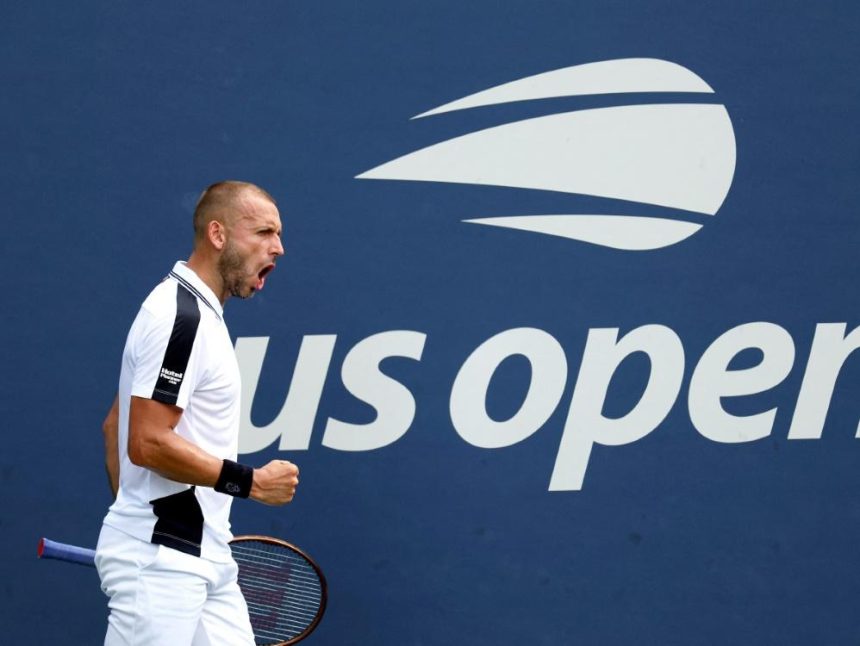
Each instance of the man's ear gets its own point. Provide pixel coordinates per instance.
(217, 233)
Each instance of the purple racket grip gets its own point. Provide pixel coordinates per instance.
(49, 549)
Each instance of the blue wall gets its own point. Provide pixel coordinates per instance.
(698, 528)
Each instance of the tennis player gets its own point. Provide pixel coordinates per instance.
(171, 439)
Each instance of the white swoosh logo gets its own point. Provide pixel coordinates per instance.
(625, 232)
(675, 155)
(625, 75)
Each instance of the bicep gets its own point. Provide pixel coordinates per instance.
(148, 421)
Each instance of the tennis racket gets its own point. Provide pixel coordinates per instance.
(284, 588)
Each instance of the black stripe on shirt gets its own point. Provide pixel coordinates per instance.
(180, 522)
(191, 288)
(179, 347)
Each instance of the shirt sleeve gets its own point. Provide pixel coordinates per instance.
(165, 363)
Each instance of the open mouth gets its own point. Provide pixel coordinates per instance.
(261, 276)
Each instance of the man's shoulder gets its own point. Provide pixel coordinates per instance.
(169, 315)
(161, 301)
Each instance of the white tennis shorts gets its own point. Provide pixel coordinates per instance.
(162, 597)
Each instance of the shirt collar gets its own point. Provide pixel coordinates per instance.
(187, 277)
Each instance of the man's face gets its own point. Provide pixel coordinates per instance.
(253, 244)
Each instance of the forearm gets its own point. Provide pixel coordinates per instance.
(178, 459)
(110, 429)
(175, 458)
(154, 444)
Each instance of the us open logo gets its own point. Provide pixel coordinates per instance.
(679, 156)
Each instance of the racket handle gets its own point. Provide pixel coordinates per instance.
(49, 549)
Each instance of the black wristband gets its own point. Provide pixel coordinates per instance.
(235, 479)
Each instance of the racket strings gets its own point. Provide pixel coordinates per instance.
(282, 589)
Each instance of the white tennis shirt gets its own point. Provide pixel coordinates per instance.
(179, 352)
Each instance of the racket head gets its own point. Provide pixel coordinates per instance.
(284, 588)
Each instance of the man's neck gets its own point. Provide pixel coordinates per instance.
(207, 269)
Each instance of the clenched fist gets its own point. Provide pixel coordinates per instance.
(275, 483)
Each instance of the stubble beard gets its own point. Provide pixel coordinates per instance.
(231, 267)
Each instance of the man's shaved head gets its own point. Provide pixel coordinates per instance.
(221, 202)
